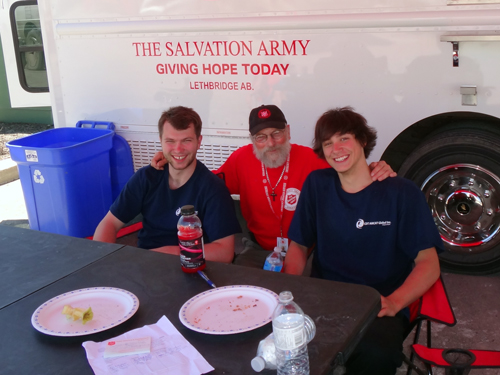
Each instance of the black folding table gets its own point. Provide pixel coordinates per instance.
(341, 311)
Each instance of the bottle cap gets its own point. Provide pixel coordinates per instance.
(258, 364)
(187, 209)
(285, 297)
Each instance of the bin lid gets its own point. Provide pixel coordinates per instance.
(60, 146)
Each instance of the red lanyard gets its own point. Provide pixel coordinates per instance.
(266, 181)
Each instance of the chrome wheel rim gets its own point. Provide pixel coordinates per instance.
(465, 203)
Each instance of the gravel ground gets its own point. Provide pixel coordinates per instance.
(11, 131)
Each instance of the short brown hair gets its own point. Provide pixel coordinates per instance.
(343, 121)
(180, 118)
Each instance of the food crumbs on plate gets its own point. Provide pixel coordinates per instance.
(240, 296)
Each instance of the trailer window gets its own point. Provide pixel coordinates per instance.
(28, 45)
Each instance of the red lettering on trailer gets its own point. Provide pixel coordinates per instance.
(282, 48)
(246, 86)
(170, 51)
(201, 85)
(220, 69)
(265, 69)
(177, 69)
(225, 48)
(147, 49)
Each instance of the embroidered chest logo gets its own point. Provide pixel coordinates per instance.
(291, 199)
(361, 223)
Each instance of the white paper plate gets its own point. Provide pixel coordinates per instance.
(111, 307)
(229, 310)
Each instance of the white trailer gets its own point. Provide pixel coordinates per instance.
(423, 72)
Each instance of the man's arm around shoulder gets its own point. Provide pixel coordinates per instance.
(108, 228)
(422, 277)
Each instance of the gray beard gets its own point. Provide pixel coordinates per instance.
(284, 151)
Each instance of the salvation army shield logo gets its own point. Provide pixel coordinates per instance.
(264, 113)
(291, 199)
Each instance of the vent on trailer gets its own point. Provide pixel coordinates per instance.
(213, 156)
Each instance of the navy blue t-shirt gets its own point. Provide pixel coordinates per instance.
(371, 237)
(148, 193)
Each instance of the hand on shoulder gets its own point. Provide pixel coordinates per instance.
(159, 161)
(380, 170)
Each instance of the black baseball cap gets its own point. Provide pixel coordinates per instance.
(266, 116)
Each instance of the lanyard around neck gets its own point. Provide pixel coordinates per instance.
(266, 181)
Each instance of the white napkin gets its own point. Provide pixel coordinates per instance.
(170, 354)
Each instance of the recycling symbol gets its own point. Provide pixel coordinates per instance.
(37, 176)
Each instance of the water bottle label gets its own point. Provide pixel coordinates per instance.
(273, 267)
(289, 338)
(191, 252)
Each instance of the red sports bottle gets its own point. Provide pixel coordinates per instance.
(190, 240)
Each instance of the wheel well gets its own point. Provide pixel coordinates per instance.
(404, 144)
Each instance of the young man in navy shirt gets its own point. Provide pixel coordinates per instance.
(375, 233)
(268, 175)
(159, 194)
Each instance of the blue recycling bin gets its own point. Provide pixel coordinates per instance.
(66, 178)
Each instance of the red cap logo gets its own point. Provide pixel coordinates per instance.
(264, 113)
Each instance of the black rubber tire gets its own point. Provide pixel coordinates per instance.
(459, 172)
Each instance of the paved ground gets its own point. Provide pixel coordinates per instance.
(12, 207)
(475, 299)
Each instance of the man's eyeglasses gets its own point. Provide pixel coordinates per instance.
(277, 135)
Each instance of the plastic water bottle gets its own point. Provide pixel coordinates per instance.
(190, 237)
(266, 355)
(266, 351)
(274, 261)
(290, 337)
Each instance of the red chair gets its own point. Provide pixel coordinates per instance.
(456, 361)
(433, 306)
